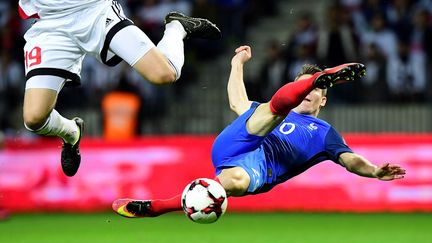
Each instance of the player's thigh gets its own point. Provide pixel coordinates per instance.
(263, 121)
(127, 41)
(154, 67)
(133, 46)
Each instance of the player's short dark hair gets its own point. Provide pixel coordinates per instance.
(310, 69)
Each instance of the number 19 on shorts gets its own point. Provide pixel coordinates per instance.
(33, 57)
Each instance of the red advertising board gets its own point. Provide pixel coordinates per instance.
(159, 167)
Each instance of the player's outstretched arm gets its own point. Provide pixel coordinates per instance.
(237, 95)
(361, 166)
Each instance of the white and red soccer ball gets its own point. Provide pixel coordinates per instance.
(204, 200)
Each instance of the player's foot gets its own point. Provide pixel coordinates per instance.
(132, 208)
(195, 27)
(340, 74)
(70, 156)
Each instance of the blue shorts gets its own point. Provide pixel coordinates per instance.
(235, 147)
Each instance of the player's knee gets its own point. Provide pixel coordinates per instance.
(235, 182)
(156, 69)
(239, 185)
(33, 120)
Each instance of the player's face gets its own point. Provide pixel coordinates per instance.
(312, 103)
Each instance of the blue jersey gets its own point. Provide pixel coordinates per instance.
(298, 143)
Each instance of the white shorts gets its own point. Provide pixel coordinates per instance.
(57, 47)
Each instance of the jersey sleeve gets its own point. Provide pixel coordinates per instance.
(335, 145)
(27, 10)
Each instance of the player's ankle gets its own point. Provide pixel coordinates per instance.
(176, 26)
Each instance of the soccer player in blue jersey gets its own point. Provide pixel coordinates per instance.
(270, 143)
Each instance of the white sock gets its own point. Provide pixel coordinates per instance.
(56, 125)
(172, 46)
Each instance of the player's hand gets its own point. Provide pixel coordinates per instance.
(388, 172)
(243, 54)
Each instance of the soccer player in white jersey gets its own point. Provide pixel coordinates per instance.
(65, 31)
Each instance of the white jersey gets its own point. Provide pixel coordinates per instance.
(46, 8)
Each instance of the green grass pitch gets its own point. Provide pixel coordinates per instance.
(232, 227)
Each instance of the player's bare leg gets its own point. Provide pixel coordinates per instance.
(41, 118)
(234, 180)
(162, 65)
(155, 68)
(263, 121)
(38, 104)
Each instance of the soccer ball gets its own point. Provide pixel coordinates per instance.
(204, 201)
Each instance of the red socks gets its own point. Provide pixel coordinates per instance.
(159, 206)
(164, 206)
(291, 95)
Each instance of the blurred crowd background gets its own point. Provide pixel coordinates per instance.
(393, 38)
